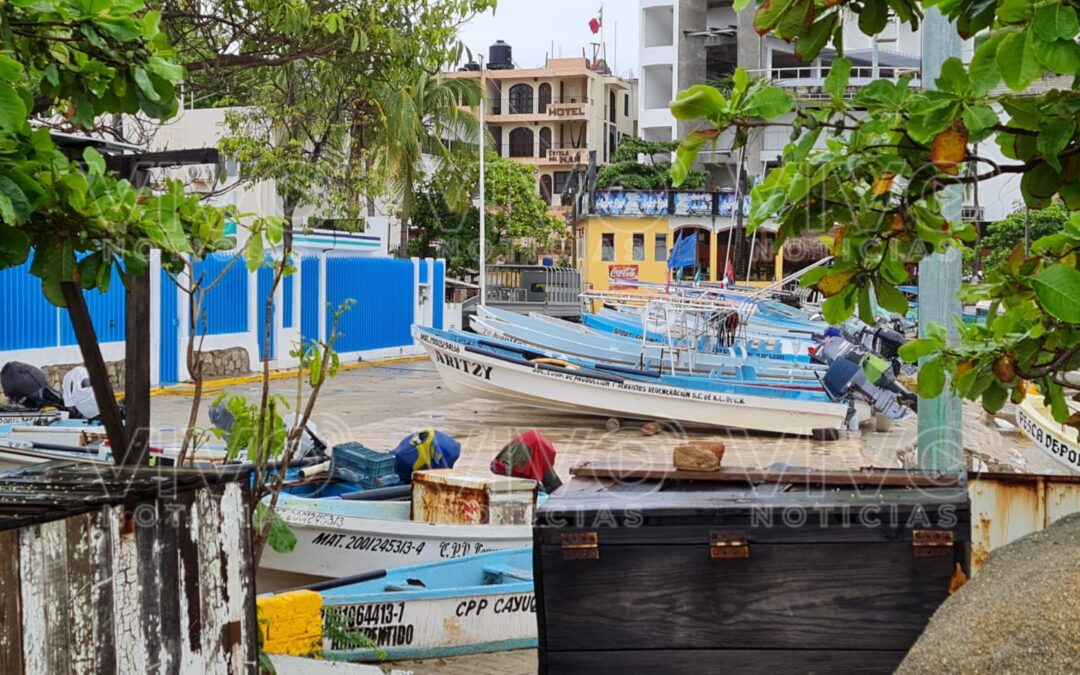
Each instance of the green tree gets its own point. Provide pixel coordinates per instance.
(887, 153)
(517, 218)
(1003, 236)
(655, 174)
(425, 118)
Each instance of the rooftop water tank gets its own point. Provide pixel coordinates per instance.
(471, 67)
(500, 56)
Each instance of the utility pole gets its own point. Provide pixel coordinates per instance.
(940, 440)
(483, 203)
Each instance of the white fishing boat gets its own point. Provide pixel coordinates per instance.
(341, 537)
(469, 368)
(476, 604)
(1055, 439)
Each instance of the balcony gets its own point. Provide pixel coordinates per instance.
(666, 203)
(808, 80)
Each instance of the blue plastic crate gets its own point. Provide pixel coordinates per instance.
(361, 465)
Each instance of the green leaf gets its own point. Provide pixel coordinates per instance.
(1056, 21)
(890, 298)
(931, 378)
(280, 537)
(12, 108)
(142, 78)
(873, 17)
(866, 305)
(917, 349)
(984, 73)
(1058, 289)
(10, 69)
(14, 246)
(1039, 184)
(994, 398)
(253, 252)
(166, 70)
(740, 5)
(94, 161)
(1059, 56)
(953, 77)
(1017, 59)
(686, 153)
(767, 103)
(979, 118)
(839, 307)
(814, 40)
(769, 14)
(699, 100)
(20, 205)
(837, 80)
(1053, 137)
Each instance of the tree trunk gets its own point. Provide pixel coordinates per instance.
(137, 368)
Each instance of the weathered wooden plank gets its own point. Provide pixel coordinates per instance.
(127, 590)
(137, 357)
(148, 544)
(31, 563)
(81, 578)
(189, 603)
(242, 629)
(11, 638)
(213, 602)
(102, 593)
(43, 560)
(697, 661)
(737, 474)
(853, 596)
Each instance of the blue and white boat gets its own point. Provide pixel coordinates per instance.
(489, 368)
(480, 603)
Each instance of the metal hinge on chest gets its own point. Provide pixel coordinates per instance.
(932, 543)
(728, 544)
(580, 546)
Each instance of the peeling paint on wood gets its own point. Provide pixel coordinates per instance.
(144, 570)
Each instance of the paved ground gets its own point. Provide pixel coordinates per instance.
(379, 405)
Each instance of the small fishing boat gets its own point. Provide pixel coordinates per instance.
(353, 533)
(476, 604)
(1055, 439)
(490, 369)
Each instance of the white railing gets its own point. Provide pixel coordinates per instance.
(814, 76)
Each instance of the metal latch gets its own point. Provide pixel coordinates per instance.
(728, 544)
(932, 543)
(580, 546)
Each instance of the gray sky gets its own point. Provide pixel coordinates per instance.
(530, 26)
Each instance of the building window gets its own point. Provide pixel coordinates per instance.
(545, 141)
(607, 246)
(660, 248)
(561, 180)
(496, 138)
(581, 243)
(612, 111)
(626, 105)
(521, 99)
(545, 97)
(638, 250)
(521, 142)
(545, 189)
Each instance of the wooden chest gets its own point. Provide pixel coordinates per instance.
(790, 575)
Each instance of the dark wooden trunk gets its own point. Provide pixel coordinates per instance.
(692, 576)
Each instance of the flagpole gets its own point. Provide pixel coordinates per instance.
(483, 203)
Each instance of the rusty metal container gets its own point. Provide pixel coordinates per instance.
(460, 498)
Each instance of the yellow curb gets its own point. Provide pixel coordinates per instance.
(214, 386)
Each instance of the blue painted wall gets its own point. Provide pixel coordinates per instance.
(309, 298)
(384, 292)
(438, 290)
(225, 306)
(169, 324)
(32, 320)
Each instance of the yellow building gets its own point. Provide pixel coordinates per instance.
(618, 242)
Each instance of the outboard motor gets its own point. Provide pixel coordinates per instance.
(846, 377)
(79, 394)
(25, 385)
(529, 455)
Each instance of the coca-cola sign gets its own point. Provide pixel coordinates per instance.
(623, 272)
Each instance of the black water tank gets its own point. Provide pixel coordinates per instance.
(500, 56)
(471, 67)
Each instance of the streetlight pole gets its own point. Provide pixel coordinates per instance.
(940, 440)
(483, 204)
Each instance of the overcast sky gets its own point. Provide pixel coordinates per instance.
(530, 26)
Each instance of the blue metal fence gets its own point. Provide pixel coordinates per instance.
(438, 291)
(266, 280)
(32, 319)
(224, 308)
(309, 298)
(169, 325)
(384, 292)
(287, 301)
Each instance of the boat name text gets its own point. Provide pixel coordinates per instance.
(1049, 443)
(467, 367)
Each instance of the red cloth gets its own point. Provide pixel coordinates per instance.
(540, 456)
(594, 25)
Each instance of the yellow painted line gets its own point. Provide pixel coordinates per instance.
(215, 386)
(291, 623)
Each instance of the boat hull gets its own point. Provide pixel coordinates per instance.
(485, 376)
(1057, 440)
(333, 543)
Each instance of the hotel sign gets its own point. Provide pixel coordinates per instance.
(566, 156)
(564, 110)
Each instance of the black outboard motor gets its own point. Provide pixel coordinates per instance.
(25, 385)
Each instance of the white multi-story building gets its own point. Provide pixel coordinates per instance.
(688, 42)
